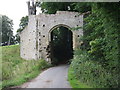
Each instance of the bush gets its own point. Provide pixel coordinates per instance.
(91, 72)
(98, 65)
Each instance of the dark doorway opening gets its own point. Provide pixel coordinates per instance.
(61, 45)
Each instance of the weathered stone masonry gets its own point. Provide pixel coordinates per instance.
(35, 38)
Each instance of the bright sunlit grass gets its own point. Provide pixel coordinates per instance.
(16, 70)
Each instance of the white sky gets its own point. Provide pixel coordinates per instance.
(15, 10)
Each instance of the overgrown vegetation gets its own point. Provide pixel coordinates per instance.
(74, 81)
(96, 63)
(92, 73)
(15, 70)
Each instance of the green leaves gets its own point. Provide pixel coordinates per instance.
(23, 23)
(7, 31)
(82, 6)
(76, 28)
(97, 64)
(92, 72)
(52, 7)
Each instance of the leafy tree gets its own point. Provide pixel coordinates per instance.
(22, 25)
(81, 7)
(17, 38)
(101, 38)
(52, 7)
(7, 33)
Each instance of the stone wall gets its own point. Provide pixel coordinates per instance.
(35, 38)
(28, 40)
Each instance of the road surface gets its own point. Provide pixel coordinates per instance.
(54, 77)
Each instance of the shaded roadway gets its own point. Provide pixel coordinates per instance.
(54, 77)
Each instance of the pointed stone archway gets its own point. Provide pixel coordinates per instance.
(60, 44)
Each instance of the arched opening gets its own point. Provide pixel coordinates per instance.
(61, 45)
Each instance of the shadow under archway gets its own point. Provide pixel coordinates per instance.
(61, 45)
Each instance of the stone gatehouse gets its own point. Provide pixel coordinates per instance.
(36, 37)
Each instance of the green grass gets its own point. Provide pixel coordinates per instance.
(16, 70)
(74, 82)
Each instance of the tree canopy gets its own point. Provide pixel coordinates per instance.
(7, 31)
(52, 7)
(23, 23)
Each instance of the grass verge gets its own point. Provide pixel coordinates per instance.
(15, 70)
(74, 82)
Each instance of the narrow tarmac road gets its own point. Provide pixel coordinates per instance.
(54, 77)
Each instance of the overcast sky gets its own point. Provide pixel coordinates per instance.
(14, 9)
